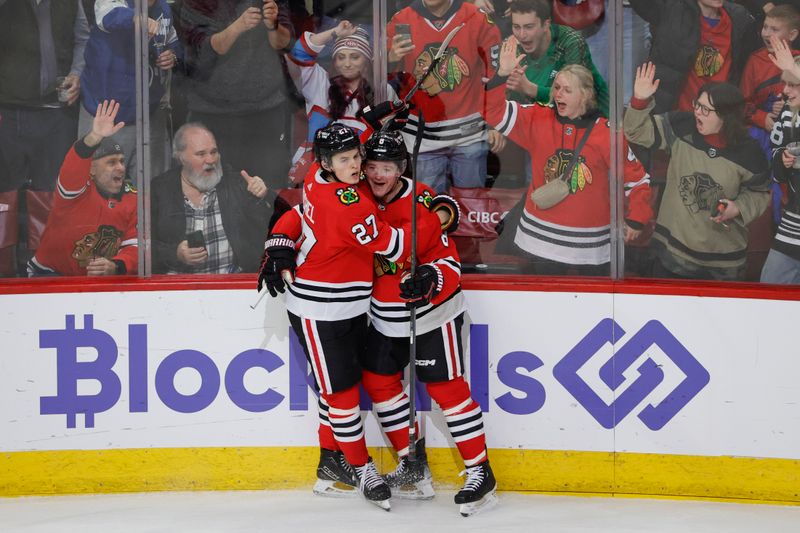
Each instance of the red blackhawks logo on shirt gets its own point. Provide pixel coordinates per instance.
(448, 75)
(557, 164)
(708, 61)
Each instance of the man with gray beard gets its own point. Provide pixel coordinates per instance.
(207, 219)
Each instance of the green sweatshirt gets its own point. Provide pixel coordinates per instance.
(567, 47)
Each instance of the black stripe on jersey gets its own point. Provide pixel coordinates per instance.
(317, 288)
(327, 300)
(453, 263)
(397, 308)
(509, 116)
(472, 123)
(452, 137)
(705, 256)
(566, 233)
(568, 244)
(396, 241)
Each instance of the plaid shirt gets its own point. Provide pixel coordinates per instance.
(208, 219)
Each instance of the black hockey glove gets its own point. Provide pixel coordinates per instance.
(277, 265)
(374, 115)
(449, 205)
(419, 290)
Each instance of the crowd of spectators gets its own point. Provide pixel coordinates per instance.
(515, 121)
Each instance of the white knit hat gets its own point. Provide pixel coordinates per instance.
(359, 42)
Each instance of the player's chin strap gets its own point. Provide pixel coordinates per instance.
(440, 53)
(412, 335)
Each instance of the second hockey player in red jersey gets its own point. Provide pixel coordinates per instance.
(436, 292)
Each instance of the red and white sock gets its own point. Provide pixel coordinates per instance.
(391, 406)
(344, 415)
(464, 418)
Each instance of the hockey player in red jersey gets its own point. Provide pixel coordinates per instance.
(91, 229)
(329, 298)
(436, 292)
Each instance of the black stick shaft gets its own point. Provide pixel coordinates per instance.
(412, 334)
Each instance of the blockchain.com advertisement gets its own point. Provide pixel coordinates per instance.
(551, 371)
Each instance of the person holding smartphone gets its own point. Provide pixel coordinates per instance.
(206, 218)
(456, 140)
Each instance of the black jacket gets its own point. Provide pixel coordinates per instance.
(675, 25)
(244, 218)
(20, 56)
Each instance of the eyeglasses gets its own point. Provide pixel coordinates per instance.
(704, 109)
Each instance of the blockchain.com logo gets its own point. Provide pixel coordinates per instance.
(517, 371)
(652, 334)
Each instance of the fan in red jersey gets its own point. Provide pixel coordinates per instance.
(451, 96)
(91, 229)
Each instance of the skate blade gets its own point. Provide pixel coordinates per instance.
(484, 504)
(421, 490)
(334, 489)
(383, 504)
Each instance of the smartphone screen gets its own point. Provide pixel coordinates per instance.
(195, 239)
(404, 30)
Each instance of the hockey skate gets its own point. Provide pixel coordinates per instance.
(479, 489)
(412, 481)
(335, 476)
(372, 485)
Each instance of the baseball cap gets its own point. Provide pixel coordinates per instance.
(108, 146)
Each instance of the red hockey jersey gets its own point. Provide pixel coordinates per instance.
(387, 310)
(577, 230)
(452, 95)
(84, 224)
(340, 232)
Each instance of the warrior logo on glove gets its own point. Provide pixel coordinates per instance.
(277, 265)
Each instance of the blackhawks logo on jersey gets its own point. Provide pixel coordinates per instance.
(384, 267)
(104, 242)
(448, 75)
(425, 199)
(708, 62)
(348, 195)
(699, 192)
(557, 164)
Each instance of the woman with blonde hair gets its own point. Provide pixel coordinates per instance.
(565, 226)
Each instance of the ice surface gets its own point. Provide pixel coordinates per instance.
(278, 511)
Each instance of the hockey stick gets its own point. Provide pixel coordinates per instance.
(412, 334)
(287, 278)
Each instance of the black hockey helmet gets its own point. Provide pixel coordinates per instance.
(333, 139)
(386, 146)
